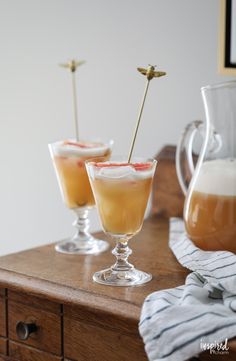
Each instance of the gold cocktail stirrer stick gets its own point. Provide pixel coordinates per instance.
(150, 73)
(73, 65)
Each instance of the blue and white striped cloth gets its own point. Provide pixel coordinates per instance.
(176, 323)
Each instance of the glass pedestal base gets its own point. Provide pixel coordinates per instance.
(82, 242)
(131, 277)
(72, 246)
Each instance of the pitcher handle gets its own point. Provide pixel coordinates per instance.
(185, 145)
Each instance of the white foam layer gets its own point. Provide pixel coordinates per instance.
(69, 150)
(123, 172)
(116, 172)
(217, 177)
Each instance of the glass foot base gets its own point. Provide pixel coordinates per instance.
(133, 277)
(70, 246)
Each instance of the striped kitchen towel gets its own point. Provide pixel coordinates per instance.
(179, 323)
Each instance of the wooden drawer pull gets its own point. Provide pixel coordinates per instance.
(23, 330)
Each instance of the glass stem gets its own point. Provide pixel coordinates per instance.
(122, 252)
(82, 225)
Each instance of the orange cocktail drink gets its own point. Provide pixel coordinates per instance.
(121, 192)
(69, 162)
(69, 158)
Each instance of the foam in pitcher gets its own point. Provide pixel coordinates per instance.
(217, 177)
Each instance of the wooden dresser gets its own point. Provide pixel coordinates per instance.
(77, 319)
(71, 317)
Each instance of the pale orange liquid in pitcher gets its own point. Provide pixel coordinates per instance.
(74, 180)
(211, 214)
(211, 221)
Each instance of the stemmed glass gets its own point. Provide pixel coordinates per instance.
(69, 162)
(121, 191)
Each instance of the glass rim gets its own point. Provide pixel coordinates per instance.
(109, 142)
(121, 159)
(229, 83)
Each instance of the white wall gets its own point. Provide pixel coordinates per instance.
(115, 37)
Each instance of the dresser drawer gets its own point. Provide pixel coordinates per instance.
(109, 345)
(21, 352)
(2, 315)
(92, 335)
(48, 321)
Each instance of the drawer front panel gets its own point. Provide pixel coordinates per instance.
(83, 342)
(25, 353)
(3, 346)
(2, 316)
(34, 301)
(48, 335)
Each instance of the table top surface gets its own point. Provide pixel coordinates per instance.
(68, 278)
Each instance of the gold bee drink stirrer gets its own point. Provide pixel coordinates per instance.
(150, 73)
(72, 66)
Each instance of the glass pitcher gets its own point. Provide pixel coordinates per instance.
(209, 180)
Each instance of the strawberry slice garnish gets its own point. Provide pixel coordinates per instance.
(142, 166)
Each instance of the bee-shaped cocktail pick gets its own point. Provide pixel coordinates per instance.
(72, 65)
(150, 73)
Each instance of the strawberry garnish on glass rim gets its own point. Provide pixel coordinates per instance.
(142, 166)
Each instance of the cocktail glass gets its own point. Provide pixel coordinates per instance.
(69, 162)
(121, 191)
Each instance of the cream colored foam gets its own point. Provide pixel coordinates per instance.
(68, 150)
(116, 172)
(123, 172)
(217, 177)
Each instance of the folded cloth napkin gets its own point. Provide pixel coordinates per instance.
(179, 323)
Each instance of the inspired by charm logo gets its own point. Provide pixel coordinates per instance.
(215, 348)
